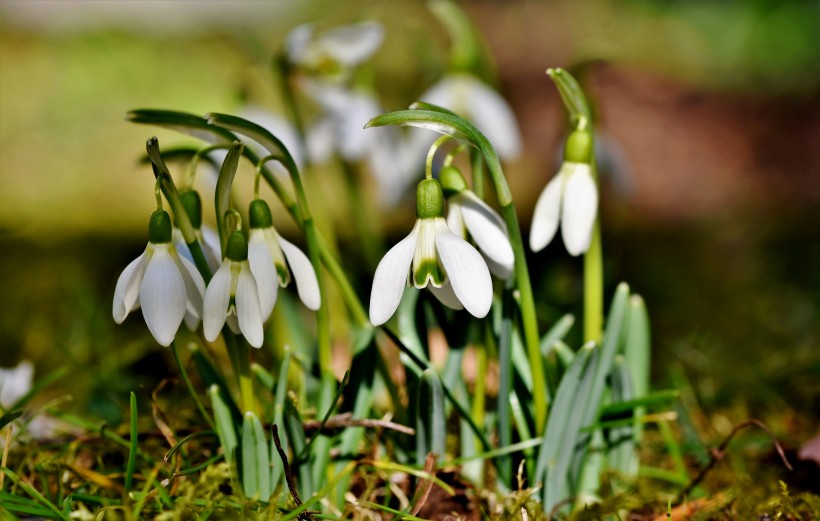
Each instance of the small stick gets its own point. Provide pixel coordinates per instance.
(717, 454)
(429, 468)
(341, 421)
(307, 514)
(5, 454)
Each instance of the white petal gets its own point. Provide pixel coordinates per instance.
(493, 117)
(321, 141)
(297, 43)
(466, 270)
(546, 214)
(211, 246)
(179, 244)
(233, 324)
(194, 291)
(354, 43)
(579, 208)
(264, 271)
(247, 307)
(390, 278)
(162, 295)
(15, 383)
(306, 282)
(455, 221)
(446, 296)
(217, 299)
(488, 231)
(444, 94)
(126, 293)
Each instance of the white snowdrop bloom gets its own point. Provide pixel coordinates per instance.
(466, 212)
(232, 295)
(273, 259)
(571, 198)
(474, 100)
(15, 382)
(333, 52)
(165, 284)
(207, 237)
(434, 257)
(340, 130)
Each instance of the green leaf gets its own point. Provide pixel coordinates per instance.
(563, 351)
(573, 97)
(41, 384)
(31, 491)
(622, 454)
(256, 480)
(431, 424)
(257, 133)
(225, 427)
(222, 196)
(211, 376)
(557, 332)
(637, 352)
(9, 417)
(189, 124)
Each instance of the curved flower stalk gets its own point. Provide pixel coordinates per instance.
(432, 256)
(273, 260)
(333, 54)
(466, 212)
(166, 285)
(232, 296)
(570, 198)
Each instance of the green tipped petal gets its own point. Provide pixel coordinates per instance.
(159, 227)
(428, 271)
(259, 214)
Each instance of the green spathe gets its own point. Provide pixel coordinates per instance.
(159, 227)
(429, 199)
(193, 207)
(578, 148)
(259, 214)
(452, 181)
(237, 248)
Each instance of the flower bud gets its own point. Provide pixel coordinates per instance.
(259, 214)
(237, 248)
(429, 199)
(159, 227)
(578, 148)
(193, 207)
(452, 182)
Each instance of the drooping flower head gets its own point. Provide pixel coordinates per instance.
(232, 295)
(273, 260)
(571, 198)
(467, 213)
(431, 257)
(164, 284)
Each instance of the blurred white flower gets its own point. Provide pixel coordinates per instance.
(571, 197)
(232, 295)
(333, 53)
(434, 257)
(340, 130)
(272, 259)
(475, 101)
(164, 284)
(15, 382)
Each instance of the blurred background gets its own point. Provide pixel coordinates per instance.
(709, 113)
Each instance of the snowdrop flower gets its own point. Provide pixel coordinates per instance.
(340, 130)
(434, 257)
(571, 198)
(335, 52)
(269, 256)
(208, 237)
(468, 213)
(232, 295)
(166, 285)
(469, 97)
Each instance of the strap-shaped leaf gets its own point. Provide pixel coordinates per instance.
(557, 332)
(225, 427)
(256, 132)
(431, 424)
(222, 196)
(256, 476)
(184, 122)
(573, 97)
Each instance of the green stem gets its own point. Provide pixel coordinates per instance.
(477, 164)
(280, 63)
(240, 360)
(594, 280)
(190, 386)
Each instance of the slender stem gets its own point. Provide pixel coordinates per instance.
(190, 386)
(280, 63)
(245, 377)
(477, 164)
(372, 246)
(594, 279)
(428, 164)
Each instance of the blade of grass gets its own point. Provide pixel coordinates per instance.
(255, 459)
(431, 427)
(31, 491)
(132, 451)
